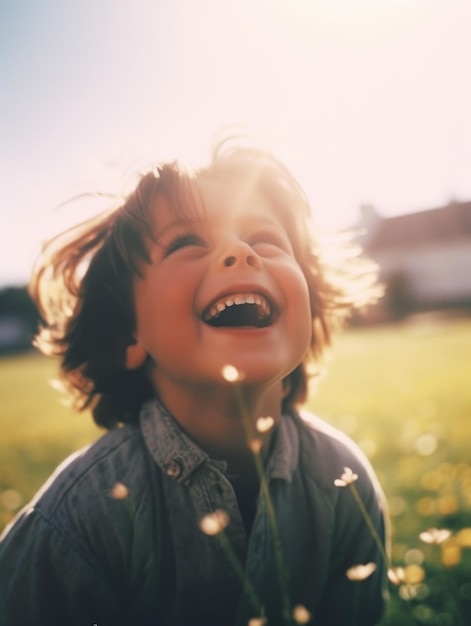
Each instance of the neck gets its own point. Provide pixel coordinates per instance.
(223, 422)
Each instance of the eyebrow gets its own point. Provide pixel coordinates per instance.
(269, 219)
(174, 224)
(196, 221)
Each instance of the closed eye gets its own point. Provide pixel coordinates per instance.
(184, 241)
(271, 239)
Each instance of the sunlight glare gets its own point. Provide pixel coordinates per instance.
(360, 5)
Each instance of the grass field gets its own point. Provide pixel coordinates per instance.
(402, 392)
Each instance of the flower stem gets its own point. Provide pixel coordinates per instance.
(239, 571)
(376, 537)
(370, 524)
(265, 490)
(276, 537)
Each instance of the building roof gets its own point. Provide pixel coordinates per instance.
(434, 226)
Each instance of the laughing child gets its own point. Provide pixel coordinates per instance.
(185, 319)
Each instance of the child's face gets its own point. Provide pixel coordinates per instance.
(223, 288)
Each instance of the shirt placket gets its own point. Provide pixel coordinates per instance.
(204, 564)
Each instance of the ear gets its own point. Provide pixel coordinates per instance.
(135, 356)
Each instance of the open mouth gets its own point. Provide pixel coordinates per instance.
(240, 310)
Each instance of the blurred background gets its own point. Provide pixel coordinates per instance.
(367, 102)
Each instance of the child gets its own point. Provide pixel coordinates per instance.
(186, 319)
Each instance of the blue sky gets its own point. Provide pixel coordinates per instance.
(366, 100)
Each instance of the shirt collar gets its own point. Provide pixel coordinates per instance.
(173, 451)
(284, 458)
(178, 455)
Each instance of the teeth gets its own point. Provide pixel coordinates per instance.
(250, 298)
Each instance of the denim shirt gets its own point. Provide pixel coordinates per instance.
(86, 552)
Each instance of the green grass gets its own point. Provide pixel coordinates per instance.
(402, 392)
(390, 386)
(37, 430)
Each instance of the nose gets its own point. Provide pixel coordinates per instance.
(238, 253)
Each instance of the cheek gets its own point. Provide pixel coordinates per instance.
(163, 305)
(302, 322)
(298, 303)
(297, 290)
(303, 310)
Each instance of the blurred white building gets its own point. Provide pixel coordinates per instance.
(424, 257)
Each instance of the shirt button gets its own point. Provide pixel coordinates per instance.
(173, 469)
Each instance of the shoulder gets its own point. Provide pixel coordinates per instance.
(327, 451)
(94, 468)
(88, 484)
(77, 534)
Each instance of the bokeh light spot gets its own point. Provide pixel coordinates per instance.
(414, 557)
(426, 444)
(230, 373)
(426, 506)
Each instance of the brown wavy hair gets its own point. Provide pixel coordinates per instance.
(83, 281)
